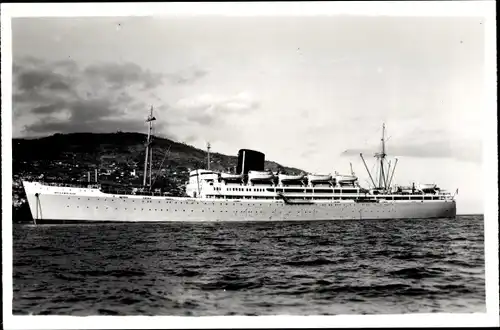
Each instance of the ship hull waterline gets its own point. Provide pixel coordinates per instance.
(82, 205)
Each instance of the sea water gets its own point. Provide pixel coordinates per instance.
(267, 268)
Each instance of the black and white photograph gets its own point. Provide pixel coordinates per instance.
(225, 162)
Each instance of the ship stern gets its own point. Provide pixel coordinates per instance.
(453, 209)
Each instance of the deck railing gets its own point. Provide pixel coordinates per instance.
(69, 184)
(135, 193)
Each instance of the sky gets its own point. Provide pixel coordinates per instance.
(309, 92)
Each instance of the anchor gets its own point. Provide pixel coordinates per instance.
(37, 195)
(289, 202)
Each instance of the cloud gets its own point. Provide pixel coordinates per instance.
(229, 103)
(48, 109)
(102, 126)
(61, 97)
(464, 150)
(210, 117)
(122, 75)
(209, 108)
(188, 76)
(35, 79)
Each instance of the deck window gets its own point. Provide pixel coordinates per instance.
(294, 190)
(323, 190)
(349, 191)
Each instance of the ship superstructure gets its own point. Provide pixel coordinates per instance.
(252, 193)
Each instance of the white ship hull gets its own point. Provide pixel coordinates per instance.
(65, 204)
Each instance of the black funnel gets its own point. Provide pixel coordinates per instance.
(250, 160)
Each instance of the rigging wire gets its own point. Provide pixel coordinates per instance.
(159, 168)
(371, 171)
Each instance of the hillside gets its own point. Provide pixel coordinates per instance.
(116, 156)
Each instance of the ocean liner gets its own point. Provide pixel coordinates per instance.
(251, 194)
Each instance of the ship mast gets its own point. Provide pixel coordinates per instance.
(381, 156)
(383, 177)
(150, 163)
(208, 155)
(149, 120)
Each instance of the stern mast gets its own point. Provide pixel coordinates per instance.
(383, 179)
(381, 156)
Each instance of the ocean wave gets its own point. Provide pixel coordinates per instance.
(187, 273)
(232, 282)
(107, 311)
(309, 263)
(381, 289)
(416, 273)
(111, 273)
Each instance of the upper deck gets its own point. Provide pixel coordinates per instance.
(208, 184)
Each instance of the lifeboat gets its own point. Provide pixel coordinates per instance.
(345, 178)
(405, 189)
(259, 176)
(319, 178)
(427, 186)
(231, 177)
(288, 178)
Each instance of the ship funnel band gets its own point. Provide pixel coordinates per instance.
(250, 160)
